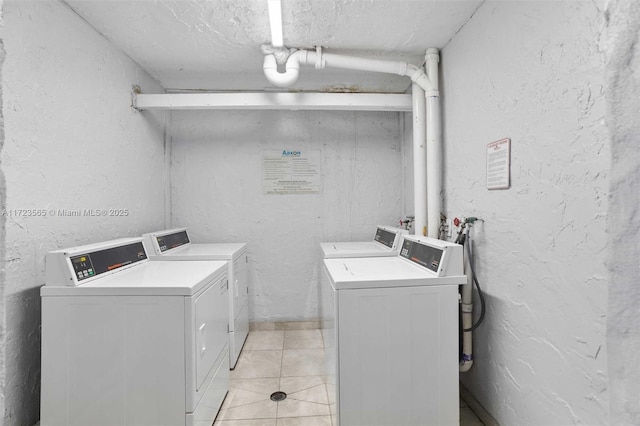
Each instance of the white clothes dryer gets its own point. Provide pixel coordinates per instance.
(386, 242)
(175, 245)
(130, 342)
(393, 322)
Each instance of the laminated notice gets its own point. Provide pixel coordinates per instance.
(291, 171)
(499, 164)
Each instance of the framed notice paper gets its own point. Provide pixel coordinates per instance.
(499, 164)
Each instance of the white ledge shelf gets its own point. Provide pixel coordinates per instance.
(274, 101)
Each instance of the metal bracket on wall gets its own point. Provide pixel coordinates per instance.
(135, 91)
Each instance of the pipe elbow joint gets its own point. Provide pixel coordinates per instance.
(422, 80)
(285, 79)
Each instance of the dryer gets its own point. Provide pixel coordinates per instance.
(393, 344)
(386, 242)
(175, 245)
(130, 342)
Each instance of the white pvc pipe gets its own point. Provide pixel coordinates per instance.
(280, 79)
(322, 60)
(434, 146)
(419, 160)
(467, 313)
(364, 64)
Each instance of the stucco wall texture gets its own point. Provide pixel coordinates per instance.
(71, 143)
(623, 106)
(557, 253)
(2, 235)
(217, 192)
(534, 72)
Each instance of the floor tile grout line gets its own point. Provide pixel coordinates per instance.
(310, 402)
(326, 385)
(284, 337)
(310, 387)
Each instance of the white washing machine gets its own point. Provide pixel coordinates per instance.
(126, 341)
(395, 334)
(386, 242)
(174, 244)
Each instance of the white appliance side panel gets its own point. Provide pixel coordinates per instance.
(212, 318)
(328, 322)
(398, 356)
(234, 293)
(240, 279)
(101, 357)
(238, 336)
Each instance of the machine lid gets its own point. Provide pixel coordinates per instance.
(386, 242)
(355, 249)
(221, 251)
(149, 279)
(378, 272)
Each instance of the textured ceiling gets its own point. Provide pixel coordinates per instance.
(215, 44)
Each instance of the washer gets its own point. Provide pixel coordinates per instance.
(393, 322)
(386, 242)
(174, 244)
(127, 341)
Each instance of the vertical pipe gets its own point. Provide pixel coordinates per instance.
(168, 207)
(419, 160)
(434, 146)
(467, 311)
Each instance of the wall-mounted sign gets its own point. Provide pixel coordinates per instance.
(291, 171)
(499, 164)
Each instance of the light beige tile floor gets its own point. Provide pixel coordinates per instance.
(291, 361)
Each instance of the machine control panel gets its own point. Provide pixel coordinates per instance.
(82, 266)
(385, 237)
(422, 254)
(88, 265)
(443, 258)
(78, 265)
(171, 241)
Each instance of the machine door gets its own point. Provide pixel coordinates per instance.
(212, 316)
(241, 283)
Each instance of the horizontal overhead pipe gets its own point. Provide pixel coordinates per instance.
(322, 60)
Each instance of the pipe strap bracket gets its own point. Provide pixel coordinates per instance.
(319, 61)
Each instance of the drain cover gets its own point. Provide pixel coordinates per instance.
(278, 396)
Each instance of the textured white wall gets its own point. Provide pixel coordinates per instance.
(2, 236)
(533, 71)
(216, 181)
(623, 106)
(71, 142)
